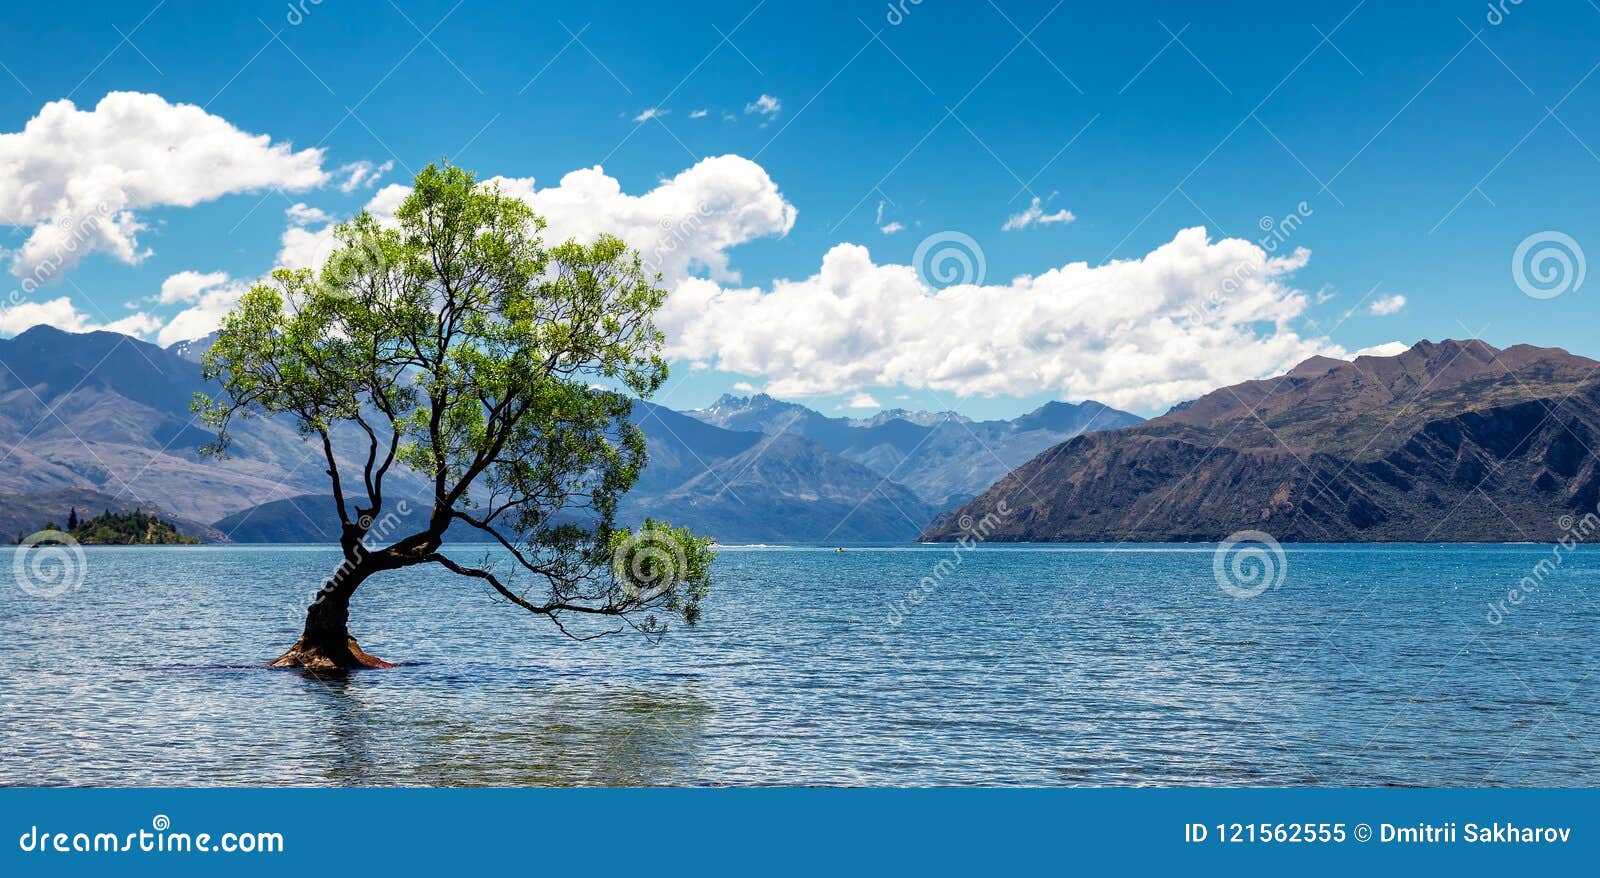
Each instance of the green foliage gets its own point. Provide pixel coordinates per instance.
(659, 559)
(136, 528)
(456, 343)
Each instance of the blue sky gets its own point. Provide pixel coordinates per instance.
(1425, 141)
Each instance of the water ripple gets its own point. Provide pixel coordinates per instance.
(1058, 665)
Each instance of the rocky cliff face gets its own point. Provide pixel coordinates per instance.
(1448, 442)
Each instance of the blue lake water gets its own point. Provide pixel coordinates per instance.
(1035, 665)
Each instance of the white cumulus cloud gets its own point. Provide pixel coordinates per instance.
(79, 177)
(683, 225)
(301, 214)
(209, 296)
(862, 400)
(1190, 316)
(186, 286)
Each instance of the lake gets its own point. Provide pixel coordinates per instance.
(1010, 665)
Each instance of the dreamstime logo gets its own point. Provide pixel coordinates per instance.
(648, 562)
(373, 533)
(677, 232)
(1499, 11)
(159, 838)
(1547, 264)
(1575, 531)
(345, 263)
(973, 532)
(298, 10)
(945, 259)
(77, 231)
(1249, 563)
(1276, 232)
(900, 10)
(49, 564)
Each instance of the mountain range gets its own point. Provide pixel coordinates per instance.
(943, 457)
(1448, 442)
(102, 421)
(758, 469)
(107, 413)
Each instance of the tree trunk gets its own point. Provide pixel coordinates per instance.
(326, 644)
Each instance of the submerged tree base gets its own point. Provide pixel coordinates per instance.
(325, 657)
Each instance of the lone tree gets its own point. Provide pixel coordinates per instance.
(456, 344)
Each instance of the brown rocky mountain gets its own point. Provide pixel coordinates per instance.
(1449, 442)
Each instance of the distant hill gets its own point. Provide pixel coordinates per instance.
(104, 412)
(943, 457)
(136, 528)
(1455, 441)
(682, 447)
(788, 488)
(22, 514)
(193, 350)
(308, 518)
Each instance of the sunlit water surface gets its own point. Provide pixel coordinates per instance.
(1038, 665)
